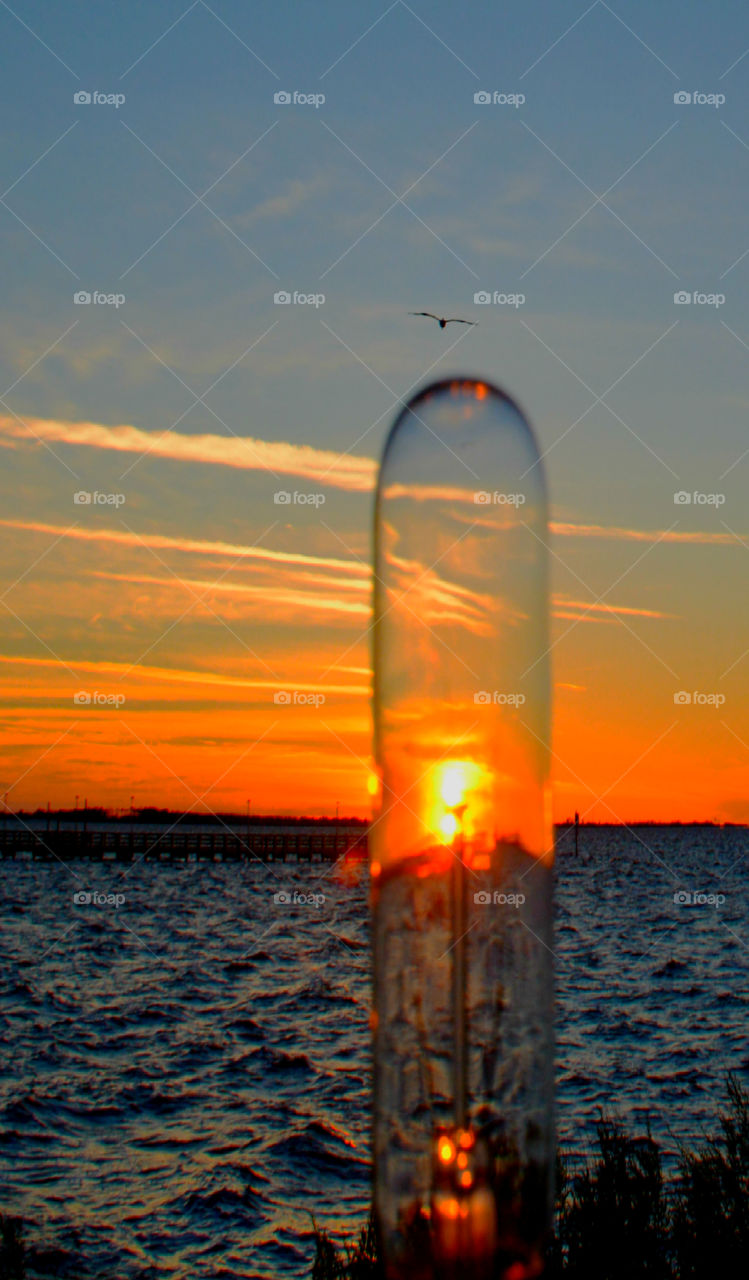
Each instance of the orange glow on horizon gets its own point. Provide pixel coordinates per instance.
(183, 734)
(200, 730)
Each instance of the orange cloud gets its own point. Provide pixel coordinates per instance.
(175, 674)
(341, 470)
(625, 610)
(565, 529)
(310, 602)
(200, 546)
(434, 598)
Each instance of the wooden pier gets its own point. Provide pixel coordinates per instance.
(272, 843)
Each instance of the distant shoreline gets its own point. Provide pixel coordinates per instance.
(155, 818)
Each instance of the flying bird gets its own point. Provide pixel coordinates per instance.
(441, 320)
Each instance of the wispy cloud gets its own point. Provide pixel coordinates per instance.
(268, 599)
(163, 542)
(564, 529)
(342, 471)
(295, 195)
(288, 583)
(627, 610)
(174, 674)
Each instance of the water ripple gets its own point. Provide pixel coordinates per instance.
(185, 1080)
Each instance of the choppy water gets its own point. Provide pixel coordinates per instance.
(184, 1079)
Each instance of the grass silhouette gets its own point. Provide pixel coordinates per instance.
(619, 1217)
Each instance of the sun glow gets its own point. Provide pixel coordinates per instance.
(454, 783)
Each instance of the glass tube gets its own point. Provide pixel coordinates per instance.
(461, 843)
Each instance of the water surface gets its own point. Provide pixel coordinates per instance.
(184, 1079)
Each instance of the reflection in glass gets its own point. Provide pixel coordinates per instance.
(461, 845)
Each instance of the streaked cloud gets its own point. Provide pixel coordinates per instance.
(315, 585)
(267, 598)
(565, 529)
(341, 470)
(120, 670)
(157, 541)
(626, 610)
(295, 195)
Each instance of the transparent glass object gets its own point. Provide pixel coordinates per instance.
(461, 844)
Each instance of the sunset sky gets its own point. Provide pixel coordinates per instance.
(192, 399)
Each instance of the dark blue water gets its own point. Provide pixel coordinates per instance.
(184, 1076)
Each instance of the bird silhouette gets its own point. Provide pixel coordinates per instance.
(441, 320)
